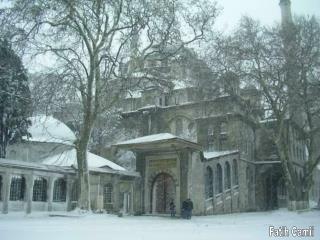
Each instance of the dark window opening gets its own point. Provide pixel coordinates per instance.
(219, 179)
(17, 188)
(235, 172)
(39, 190)
(210, 138)
(227, 176)
(60, 190)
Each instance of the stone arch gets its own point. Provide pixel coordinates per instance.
(162, 191)
(156, 173)
(188, 125)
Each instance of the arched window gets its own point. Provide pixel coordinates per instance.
(227, 176)
(223, 136)
(39, 190)
(60, 190)
(107, 195)
(209, 183)
(219, 179)
(17, 188)
(0, 188)
(179, 127)
(235, 172)
(210, 138)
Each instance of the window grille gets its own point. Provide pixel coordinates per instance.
(17, 188)
(60, 190)
(39, 190)
(219, 179)
(227, 180)
(209, 183)
(107, 195)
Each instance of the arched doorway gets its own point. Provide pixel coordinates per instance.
(163, 191)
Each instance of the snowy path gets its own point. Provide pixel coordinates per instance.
(246, 226)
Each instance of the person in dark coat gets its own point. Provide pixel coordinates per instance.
(172, 208)
(184, 209)
(189, 207)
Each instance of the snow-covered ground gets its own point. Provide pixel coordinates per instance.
(246, 226)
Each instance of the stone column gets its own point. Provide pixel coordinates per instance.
(69, 193)
(116, 194)
(50, 192)
(6, 192)
(29, 192)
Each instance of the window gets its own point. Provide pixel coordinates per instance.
(179, 127)
(227, 176)
(210, 140)
(107, 195)
(219, 179)
(209, 183)
(60, 190)
(235, 172)
(39, 190)
(223, 136)
(0, 188)
(248, 175)
(17, 188)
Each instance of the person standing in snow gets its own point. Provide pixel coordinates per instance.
(172, 207)
(184, 209)
(189, 208)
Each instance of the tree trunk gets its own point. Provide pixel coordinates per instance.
(83, 169)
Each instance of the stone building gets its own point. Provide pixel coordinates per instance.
(40, 174)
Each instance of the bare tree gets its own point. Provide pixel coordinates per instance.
(89, 39)
(283, 64)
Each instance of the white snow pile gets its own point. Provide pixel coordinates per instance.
(69, 158)
(214, 154)
(48, 129)
(149, 138)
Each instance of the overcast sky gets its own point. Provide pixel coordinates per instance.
(267, 11)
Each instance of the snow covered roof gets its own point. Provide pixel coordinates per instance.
(156, 141)
(215, 154)
(149, 138)
(69, 158)
(33, 165)
(48, 129)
